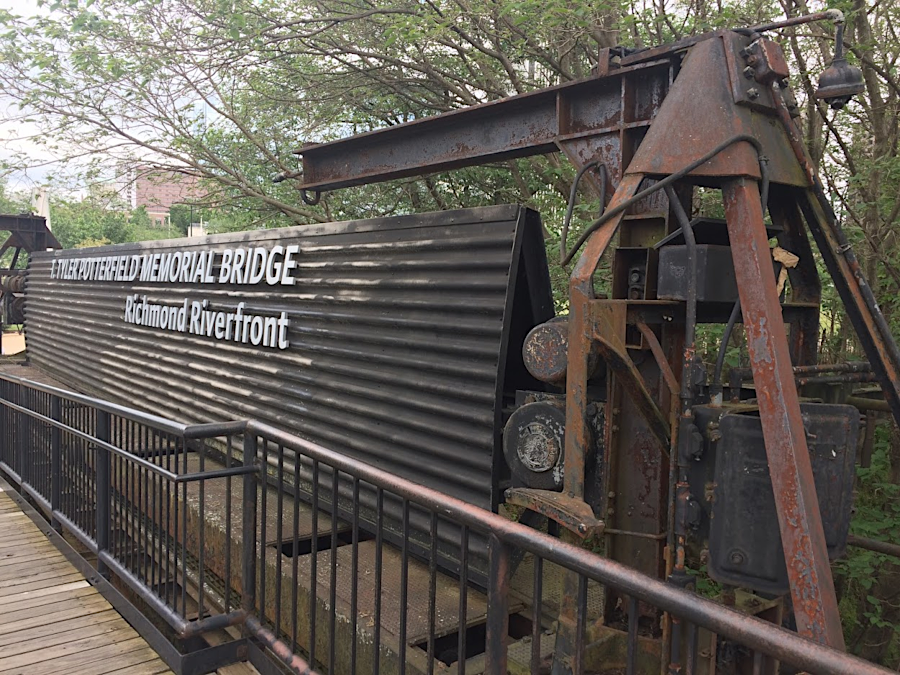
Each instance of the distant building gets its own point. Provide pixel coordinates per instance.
(158, 191)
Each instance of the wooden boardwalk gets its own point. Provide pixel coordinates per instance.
(52, 621)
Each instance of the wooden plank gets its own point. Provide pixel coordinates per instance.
(81, 591)
(24, 589)
(149, 668)
(11, 622)
(100, 624)
(121, 663)
(33, 574)
(242, 668)
(54, 625)
(12, 602)
(21, 535)
(18, 528)
(66, 663)
(23, 555)
(30, 568)
(39, 543)
(96, 644)
(19, 540)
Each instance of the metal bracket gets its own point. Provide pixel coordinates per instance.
(571, 513)
(613, 351)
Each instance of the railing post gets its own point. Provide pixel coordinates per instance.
(497, 607)
(102, 461)
(55, 462)
(248, 548)
(18, 445)
(4, 418)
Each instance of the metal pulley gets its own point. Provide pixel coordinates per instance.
(15, 283)
(533, 442)
(546, 351)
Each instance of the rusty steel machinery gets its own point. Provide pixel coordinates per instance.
(27, 233)
(629, 439)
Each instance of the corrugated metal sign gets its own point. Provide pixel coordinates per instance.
(392, 340)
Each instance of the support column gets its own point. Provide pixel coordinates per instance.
(799, 518)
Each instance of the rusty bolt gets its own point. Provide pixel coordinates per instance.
(737, 558)
(611, 495)
(753, 93)
(610, 512)
(615, 428)
(749, 72)
(744, 52)
(753, 60)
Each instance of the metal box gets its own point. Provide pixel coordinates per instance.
(744, 539)
(715, 273)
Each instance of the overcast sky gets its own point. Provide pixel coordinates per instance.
(11, 130)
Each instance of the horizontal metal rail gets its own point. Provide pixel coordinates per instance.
(206, 430)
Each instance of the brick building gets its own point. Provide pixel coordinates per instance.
(158, 191)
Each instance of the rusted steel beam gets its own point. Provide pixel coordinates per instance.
(859, 302)
(538, 122)
(31, 230)
(581, 293)
(868, 404)
(800, 521)
(874, 545)
(656, 349)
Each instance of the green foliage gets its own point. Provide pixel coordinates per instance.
(868, 581)
(80, 224)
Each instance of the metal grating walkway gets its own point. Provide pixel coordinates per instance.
(51, 619)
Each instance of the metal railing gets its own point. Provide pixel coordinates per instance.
(312, 553)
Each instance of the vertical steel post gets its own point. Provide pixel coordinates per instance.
(248, 543)
(4, 424)
(55, 462)
(497, 629)
(567, 654)
(21, 452)
(104, 492)
(799, 518)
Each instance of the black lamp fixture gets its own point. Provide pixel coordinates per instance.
(840, 82)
